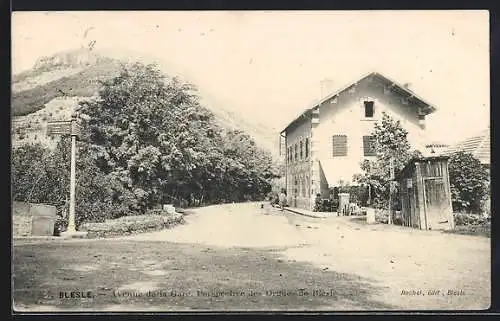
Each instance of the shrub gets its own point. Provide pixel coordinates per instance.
(42, 176)
(480, 230)
(156, 211)
(382, 216)
(463, 219)
(127, 225)
(468, 182)
(486, 206)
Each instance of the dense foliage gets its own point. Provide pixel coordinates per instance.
(468, 182)
(146, 141)
(41, 175)
(390, 142)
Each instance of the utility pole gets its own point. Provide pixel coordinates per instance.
(72, 182)
(391, 168)
(71, 128)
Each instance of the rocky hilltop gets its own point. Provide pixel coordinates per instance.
(54, 86)
(82, 57)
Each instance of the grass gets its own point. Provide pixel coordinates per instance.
(41, 271)
(479, 230)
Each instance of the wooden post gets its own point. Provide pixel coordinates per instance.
(391, 168)
(72, 183)
(448, 192)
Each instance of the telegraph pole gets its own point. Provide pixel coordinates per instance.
(391, 168)
(72, 182)
(71, 128)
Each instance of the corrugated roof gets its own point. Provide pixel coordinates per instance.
(402, 89)
(478, 145)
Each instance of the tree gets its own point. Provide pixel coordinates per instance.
(40, 175)
(468, 182)
(30, 168)
(146, 140)
(149, 131)
(390, 141)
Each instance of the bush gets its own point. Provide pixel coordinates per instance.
(480, 230)
(382, 216)
(463, 219)
(156, 211)
(486, 206)
(468, 182)
(40, 175)
(127, 225)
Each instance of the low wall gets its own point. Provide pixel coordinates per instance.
(128, 225)
(21, 226)
(32, 219)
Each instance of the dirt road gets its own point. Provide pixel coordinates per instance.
(242, 247)
(420, 269)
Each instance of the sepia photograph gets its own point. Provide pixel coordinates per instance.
(222, 161)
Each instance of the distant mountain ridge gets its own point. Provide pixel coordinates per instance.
(53, 87)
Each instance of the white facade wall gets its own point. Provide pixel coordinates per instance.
(345, 115)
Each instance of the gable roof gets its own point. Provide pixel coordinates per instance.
(478, 146)
(399, 88)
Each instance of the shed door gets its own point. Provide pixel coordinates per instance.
(436, 204)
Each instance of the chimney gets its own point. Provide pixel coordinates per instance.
(407, 85)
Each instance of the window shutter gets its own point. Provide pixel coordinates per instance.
(369, 110)
(339, 145)
(368, 146)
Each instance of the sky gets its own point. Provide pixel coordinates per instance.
(268, 66)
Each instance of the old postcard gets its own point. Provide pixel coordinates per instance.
(250, 161)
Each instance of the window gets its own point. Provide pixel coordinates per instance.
(301, 150)
(307, 147)
(369, 110)
(368, 147)
(295, 153)
(339, 143)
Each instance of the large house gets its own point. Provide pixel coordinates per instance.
(325, 145)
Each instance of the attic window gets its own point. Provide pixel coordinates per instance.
(369, 109)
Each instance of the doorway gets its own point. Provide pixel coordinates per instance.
(436, 204)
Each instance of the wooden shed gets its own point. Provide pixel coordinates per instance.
(424, 189)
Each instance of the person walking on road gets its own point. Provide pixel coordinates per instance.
(282, 200)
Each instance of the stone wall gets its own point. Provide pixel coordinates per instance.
(32, 219)
(21, 226)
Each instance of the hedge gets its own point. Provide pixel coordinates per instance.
(481, 230)
(463, 219)
(128, 225)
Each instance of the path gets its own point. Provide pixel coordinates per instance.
(400, 258)
(395, 260)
